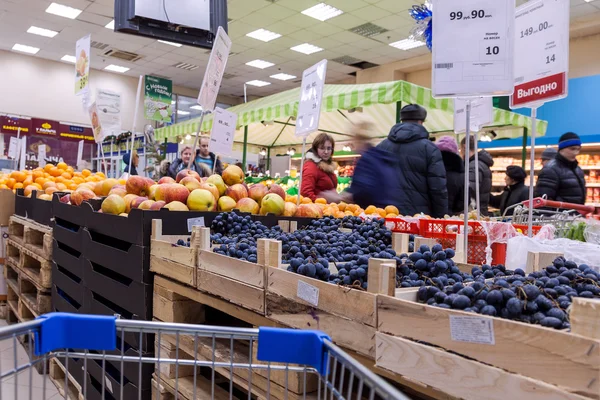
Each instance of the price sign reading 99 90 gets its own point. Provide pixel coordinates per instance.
(541, 52)
(473, 47)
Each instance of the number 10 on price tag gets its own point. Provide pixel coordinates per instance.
(473, 48)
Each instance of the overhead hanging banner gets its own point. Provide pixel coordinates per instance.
(10, 124)
(482, 114)
(82, 65)
(207, 98)
(311, 97)
(541, 52)
(108, 105)
(473, 48)
(158, 95)
(223, 131)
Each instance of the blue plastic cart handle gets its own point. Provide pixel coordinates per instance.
(74, 331)
(293, 346)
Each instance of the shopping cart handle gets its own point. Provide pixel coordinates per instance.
(75, 331)
(293, 346)
(539, 202)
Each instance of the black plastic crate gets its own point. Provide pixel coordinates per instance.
(68, 291)
(22, 204)
(129, 260)
(112, 391)
(68, 258)
(70, 213)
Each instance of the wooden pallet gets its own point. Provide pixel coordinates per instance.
(32, 235)
(37, 268)
(37, 300)
(58, 375)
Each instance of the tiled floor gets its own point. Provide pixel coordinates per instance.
(28, 384)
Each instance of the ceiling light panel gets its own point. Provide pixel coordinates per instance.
(407, 44)
(283, 77)
(306, 48)
(63, 11)
(171, 43)
(69, 58)
(322, 12)
(258, 83)
(263, 35)
(260, 64)
(116, 68)
(42, 32)
(25, 49)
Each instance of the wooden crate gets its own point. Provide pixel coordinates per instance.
(547, 356)
(58, 375)
(37, 299)
(34, 236)
(37, 268)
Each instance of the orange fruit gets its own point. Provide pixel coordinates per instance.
(61, 186)
(48, 185)
(41, 181)
(70, 170)
(381, 212)
(77, 180)
(72, 186)
(3, 186)
(340, 214)
(358, 212)
(62, 165)
(51, 190)
(370, 210)
(342, 206)
(10, 182)
(19, 176)
(37, 173)
(29, 189)
(391, 215)
(320, 200)
(392, 210)
(58, 179)
(86, 172)
(349, 213)
(122, 182)
(351, 207)
(27, 181)
(66, 175)
(101, 174)
(306, 200)
(18, 185)
(48, 167)
(55, 171)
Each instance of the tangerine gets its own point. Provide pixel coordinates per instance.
(11, 182)
(18, 185)
(320, 200)
(62, 165)
(86, 172)
(19, 176)
(48, 167)
(392, 210)
(55, 172)
(370, 210)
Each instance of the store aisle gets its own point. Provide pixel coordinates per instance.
(21, 381)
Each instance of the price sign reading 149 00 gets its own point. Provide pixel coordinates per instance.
(475, 14)
(531, 30)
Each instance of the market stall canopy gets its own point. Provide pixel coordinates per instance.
(271, 119)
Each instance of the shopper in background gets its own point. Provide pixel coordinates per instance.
(548, 155)
(372, 168)
(485, 162)
(420, 171)
(205, 158)
(318, 173)
(182, 162)
(562, 179)
(134, 163)
(515, 191)
(455, 174)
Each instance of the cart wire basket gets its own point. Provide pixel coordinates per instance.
(202, 361)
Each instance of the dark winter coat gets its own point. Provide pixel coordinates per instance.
(174, 168)
(455, 182)
(374, 181)
(420, 171)
(562, 180)
(317, 176)
(511, 195)
(485, 179)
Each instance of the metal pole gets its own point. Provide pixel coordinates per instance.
(477, 195)
(524, 149)
(301, 170)
(202, 113)
(245, 151)
(466, 202)
(135, 114)
(268, 159)
(531, 171)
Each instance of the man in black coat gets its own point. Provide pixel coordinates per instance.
(562, 179)
(485, 174)
(515, 191)
(420, 169)
(455, 174)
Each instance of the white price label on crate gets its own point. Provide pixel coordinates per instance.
(308, 293)
(472, 330)
(473, 48)
(541, 52)
(191, 222)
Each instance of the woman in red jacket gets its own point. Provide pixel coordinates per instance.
(318, 171)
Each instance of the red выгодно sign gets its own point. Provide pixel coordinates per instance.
(539, 90)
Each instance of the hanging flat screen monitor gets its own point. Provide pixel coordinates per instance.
(189, 22)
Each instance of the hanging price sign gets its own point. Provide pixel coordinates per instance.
(541, 52)
(473, 48)
(482, 114)
(223, 131)
(311, 96)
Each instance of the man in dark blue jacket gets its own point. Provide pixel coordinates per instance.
(420, 169)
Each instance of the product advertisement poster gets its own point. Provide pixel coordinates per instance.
(158, 95)
(108, 104)
(82, 65)
(96, 124)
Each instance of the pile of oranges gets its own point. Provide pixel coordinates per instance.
(342, 209)
(51, 178)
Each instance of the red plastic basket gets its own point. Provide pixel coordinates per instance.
(525, 229)
(400, 225)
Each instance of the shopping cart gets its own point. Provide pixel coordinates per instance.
(96, 339)
(547, 212)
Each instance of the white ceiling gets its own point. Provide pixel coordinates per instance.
(280, 16)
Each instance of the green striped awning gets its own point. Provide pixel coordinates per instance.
(270, 120)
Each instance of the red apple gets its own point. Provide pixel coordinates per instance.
(65, 199)
(247, 205)
(169, 192)
(190, 183)
(138, 185)
(211, 188)
(202, 200)
(157, 205)
(236, 192)
(128, 199)
(118, 190)
(81, 195)
(150, 181)
(309, 210)
(135, 203)
(290, 209)
(113, 204)
(257, 191)
(274, 188)
(233, 175)
(187, 172)
(226, 203)
(166, 179)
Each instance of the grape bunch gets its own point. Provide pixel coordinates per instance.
(184, 243)
(542, 297)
